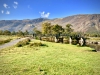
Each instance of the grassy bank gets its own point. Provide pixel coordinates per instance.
(53, 59)
(4, 41)
(6, 38)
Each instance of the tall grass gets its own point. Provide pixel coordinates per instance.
(56, 59)
(23, 43)
(6, 38)
(5, 41)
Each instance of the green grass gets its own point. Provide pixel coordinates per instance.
(95, 38)
(53, 59)
(4, 41)
(4, 37)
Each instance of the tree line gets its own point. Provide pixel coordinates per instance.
(18, 33)
(49, 30)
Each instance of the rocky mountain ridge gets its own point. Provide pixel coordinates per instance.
(84, 23)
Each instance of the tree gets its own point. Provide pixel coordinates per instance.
(1, 32)
(6, 32)
(36, 31)
(46, 28)
(57, 29)
(13, 33)
(68, 29)
(20, 33)
(26, 32)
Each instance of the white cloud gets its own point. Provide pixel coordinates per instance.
(15, 2)
(5, 5)
(8, 12)
(2, 11)
(29, 7)
(44, 15)
(14, 6)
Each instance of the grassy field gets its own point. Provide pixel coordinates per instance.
(4, 37)
(53, 59)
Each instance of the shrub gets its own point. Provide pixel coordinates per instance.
(5, 41)
(49, 39)
(95, 46)
(74, 42)
(37, 44)
(45, 38)
(22, 43)
(66, 40)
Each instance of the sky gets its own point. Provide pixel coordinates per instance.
(31, 9)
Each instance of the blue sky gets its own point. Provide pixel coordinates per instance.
(31, 9)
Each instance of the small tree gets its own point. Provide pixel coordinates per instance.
(36, 31)
(26, 32)
(20, 33)
(1, 32)
(13, 33)
(6, 32)
(68, 29)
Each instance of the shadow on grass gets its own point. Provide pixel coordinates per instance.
(91, 50)
(36, 44)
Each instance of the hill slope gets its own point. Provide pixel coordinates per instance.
(15, 25)
(80, 23)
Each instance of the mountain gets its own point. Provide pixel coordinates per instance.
(15, 25)
(82, 22)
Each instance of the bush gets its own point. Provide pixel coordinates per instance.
(45, 38)
(66, 40)
(5, 41)
(95, 46)
(23, 43)
(74, 42)
(36, 44)
(49, 39)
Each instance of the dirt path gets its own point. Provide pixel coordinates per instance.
(13, 42)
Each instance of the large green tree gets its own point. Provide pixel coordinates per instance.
(46, 28)
(57, 29)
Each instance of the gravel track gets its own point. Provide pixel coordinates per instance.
(11, 43)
